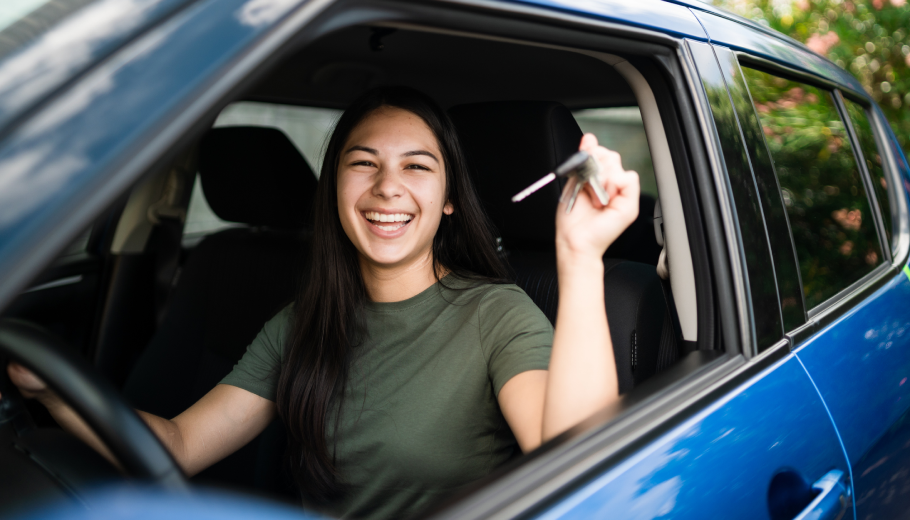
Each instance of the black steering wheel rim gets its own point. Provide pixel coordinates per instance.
(125, 434)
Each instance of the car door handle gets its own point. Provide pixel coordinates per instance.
(831, 501)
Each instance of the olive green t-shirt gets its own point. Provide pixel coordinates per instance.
(420, 417)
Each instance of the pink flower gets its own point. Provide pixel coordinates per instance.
(898, 3)
(878, 4)
(849, 219)
(803, 5)
(822, 44)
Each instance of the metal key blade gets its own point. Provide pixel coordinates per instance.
(547, 179)
(577, 188)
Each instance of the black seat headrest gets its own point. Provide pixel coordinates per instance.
(256, 176)
(508, 145)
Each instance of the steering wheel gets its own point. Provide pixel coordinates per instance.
(129, 439)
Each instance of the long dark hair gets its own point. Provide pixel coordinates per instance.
(328, 311)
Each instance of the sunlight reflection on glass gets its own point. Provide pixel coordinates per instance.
(66, 48)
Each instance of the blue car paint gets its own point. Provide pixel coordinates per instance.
(74, 148)
(132, 503)
(655, 15)
(719, 463)
(861, 365)
(68, 152)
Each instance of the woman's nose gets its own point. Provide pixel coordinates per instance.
(388, 184)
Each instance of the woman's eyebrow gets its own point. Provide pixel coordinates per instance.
(357, 147)
(412, 153)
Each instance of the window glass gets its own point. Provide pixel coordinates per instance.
(621, 129)
(307, 127)
(873, 160)
(829, 212)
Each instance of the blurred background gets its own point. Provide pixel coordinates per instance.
(869, 38)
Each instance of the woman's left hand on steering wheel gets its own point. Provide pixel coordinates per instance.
(590, 228)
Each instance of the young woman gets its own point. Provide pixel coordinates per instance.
(406, 367)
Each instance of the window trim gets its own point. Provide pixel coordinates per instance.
(900, 212)
(840, 303)
(865, 174)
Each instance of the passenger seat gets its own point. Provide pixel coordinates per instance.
(509, 145)
(232, 283)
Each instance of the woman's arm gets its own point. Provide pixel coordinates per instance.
(581, 379)
(219, 424)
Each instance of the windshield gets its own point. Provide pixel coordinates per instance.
(21, 21)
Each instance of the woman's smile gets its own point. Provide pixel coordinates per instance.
(387, 223)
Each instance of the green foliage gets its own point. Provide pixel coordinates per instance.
(872, 42)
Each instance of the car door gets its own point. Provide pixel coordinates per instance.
(755, 443)
(766, 447)
(728, 432)
(854, 339)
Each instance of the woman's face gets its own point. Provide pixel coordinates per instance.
(391, 188)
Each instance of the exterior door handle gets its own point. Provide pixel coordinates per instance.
(831, 501)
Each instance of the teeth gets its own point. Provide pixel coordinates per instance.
(385, 217)
(393, 227)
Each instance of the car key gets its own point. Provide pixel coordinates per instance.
(582, 168)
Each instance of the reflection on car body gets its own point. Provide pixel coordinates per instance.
(771, 354)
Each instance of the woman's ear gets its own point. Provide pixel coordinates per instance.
(448, 209)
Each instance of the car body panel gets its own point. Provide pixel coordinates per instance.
(720, 463)
(861, 366)
(648, 14)
(149, 503)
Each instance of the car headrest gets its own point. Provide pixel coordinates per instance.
(256, 176)
(508, 145)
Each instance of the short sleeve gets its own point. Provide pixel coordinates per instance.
(257, 371)
(514, 334)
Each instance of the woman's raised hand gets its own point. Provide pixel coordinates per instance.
(590, 228)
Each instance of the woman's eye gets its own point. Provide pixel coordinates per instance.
(417, 167)
(362, 163)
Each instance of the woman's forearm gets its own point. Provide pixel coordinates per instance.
(582, 376)
(167, 431)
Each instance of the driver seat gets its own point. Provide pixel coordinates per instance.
(233, 281)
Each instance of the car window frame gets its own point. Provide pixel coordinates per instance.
(880, 144)
(841, 302)
(611, 436)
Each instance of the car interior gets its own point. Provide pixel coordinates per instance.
(201, 253)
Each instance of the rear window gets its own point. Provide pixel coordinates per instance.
(829, 212)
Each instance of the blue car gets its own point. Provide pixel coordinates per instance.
(157, 163)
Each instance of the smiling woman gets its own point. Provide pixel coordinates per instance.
(406, 335)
